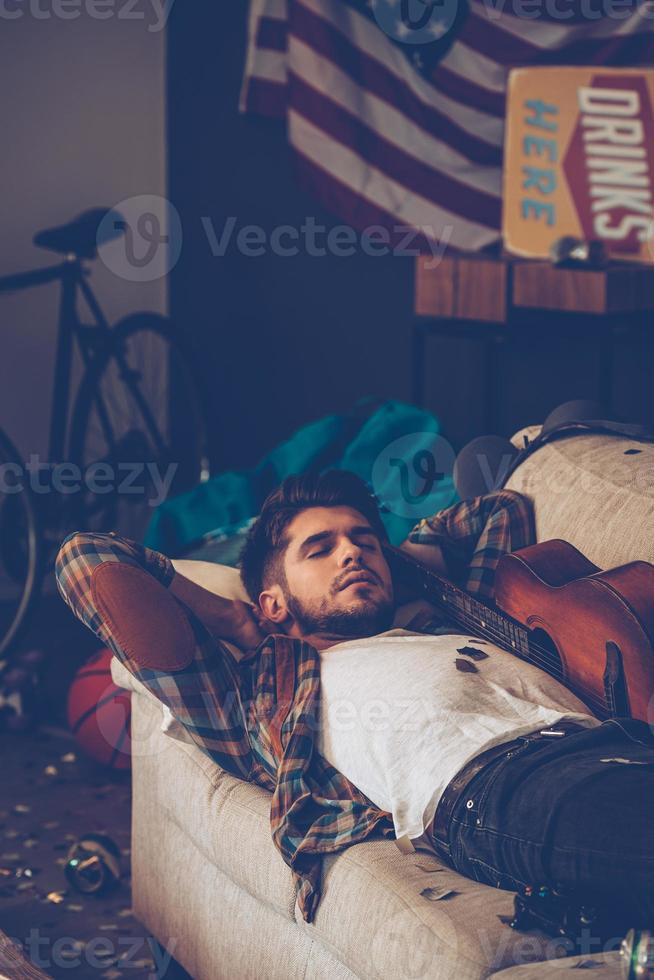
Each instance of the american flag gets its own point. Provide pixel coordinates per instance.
(406, 135)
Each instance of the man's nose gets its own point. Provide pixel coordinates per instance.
(350, 552)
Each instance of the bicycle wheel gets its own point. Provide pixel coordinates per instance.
(19, 547)
(139, 430)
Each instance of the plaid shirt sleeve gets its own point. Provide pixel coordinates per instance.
(207, 696)
(315, 809)
(474, 534)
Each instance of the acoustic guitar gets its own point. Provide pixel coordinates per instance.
(592, 630)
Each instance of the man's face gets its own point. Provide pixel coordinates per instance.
(338, 582)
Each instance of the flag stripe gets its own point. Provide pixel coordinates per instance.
(459, 87)
(267, 98)
(427, 146)
(372, 76)
(432, 184)
(407, 207)
(272, 34)
(370, 40)
(272, 66)
(476, 68)
(363, 215)
(259, 9)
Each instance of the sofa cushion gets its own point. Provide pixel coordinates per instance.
(395, 931)
(595, 491)
(394, 928)
(226, 818)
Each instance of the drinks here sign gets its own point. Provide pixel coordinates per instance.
(579, 160)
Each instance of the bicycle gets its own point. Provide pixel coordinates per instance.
(139, 406)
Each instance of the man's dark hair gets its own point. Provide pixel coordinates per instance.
(263, 552)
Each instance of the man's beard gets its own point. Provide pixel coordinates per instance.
(367, 619)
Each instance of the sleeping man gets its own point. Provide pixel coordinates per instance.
(360, 724)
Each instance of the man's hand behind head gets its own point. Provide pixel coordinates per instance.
(237, 622)
(245, 625)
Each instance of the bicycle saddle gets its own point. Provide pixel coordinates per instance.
(83, 235)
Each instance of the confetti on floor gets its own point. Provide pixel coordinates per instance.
(51, 805)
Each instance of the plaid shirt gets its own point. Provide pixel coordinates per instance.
(257, 717)
(473, 536)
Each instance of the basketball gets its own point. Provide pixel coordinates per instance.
(99, 713)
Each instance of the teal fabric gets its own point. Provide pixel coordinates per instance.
(228, 500)
(416, 428)
(218, 508)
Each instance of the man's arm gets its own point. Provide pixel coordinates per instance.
(466, 541)
(79, 557)
(204, 687)
(192, 582)
(228, 619)
(429, 555)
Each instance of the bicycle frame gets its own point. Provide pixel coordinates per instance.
(100, 345)
(71, 274)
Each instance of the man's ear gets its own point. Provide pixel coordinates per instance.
(273, 605)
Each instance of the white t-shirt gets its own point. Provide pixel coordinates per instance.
(400, 720)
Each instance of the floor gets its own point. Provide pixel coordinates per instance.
(51, 794)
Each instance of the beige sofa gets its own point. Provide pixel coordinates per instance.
(210, 885)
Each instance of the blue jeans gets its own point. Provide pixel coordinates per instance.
(556, 813)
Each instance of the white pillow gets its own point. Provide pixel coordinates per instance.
(219, 579)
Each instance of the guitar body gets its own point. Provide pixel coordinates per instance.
(582, 616)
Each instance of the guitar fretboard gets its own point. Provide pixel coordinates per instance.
(473, 615)
(485, 621)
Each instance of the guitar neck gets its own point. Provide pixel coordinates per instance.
(472, 614)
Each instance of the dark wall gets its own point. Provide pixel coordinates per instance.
(285, 340)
